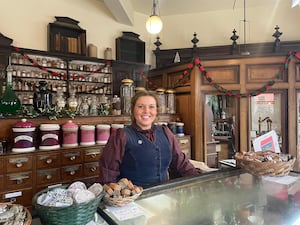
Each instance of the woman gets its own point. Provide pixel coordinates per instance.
(143, 152)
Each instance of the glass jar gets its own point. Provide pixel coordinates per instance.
(94, 106)
(42, 98)
(160, 93)
(84, 107)
(171, 102)
(60, 100)
(116, 105)
(137, 89)
(126, 92)
(72, 102)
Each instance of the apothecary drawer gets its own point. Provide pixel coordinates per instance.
(91, 169)
(18, 164)
(71, 157)
(47, 160)
(73, 172)
(18, 180)
(92, 155)
(22, 196)
(49, 176)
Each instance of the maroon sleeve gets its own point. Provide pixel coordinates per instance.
(180, 164)
(112, 156)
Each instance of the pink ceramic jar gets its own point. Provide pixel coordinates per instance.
(70, 134)
(87, 135)
(23, 136)
(49, 136)
(103, 132)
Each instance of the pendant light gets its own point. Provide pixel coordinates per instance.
(154, 23)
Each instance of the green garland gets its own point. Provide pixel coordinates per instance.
(185, 76)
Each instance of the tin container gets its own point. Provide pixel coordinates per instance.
(23, 136)
(49, 136)
(87, 135)
(103, 133)
(70, 134)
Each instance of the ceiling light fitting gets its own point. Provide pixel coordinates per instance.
(154, 23)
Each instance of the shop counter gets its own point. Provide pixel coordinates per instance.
(228, 196)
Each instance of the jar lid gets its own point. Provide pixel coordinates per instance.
(69, 124)
(103, 126)
(160, 90)
(169, 91)
(49, 126)
(24, 124)
(127, 81)
(140, 89)
(87, 127)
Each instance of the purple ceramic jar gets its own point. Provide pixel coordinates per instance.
(70, 134)
(49, 136)
(23, 136)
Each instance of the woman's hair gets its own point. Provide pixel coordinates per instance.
(141, 94)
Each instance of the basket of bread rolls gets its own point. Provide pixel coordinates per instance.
(121, 193)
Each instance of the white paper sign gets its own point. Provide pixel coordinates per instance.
(126, 212)
(267, 142)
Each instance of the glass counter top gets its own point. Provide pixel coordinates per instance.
(226, 197)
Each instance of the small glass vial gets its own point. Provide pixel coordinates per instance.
(171, 102)
(160, 92)
(127, 92)
(72, 102)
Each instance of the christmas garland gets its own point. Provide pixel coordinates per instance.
(185, 76)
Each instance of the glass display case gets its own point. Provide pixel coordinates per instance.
(228, 196)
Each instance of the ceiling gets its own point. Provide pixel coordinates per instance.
(175, 7)
(123, 10)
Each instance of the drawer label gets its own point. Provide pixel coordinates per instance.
(13, 194)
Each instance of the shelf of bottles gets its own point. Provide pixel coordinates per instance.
(84, 78)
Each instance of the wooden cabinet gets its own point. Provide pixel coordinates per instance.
(239, 74)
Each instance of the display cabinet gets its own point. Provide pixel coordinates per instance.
(228, 196)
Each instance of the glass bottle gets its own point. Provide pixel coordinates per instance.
(9, 102)
(72, 102)
(160, 92)
(84, 107)
(60, 100)
(126, 92)
(94, 106)
(171, 102)
(42, 98)
(116, 105)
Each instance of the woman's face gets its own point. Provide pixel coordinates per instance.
(145, 111)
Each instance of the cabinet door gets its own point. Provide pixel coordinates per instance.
(134, 71)
(48, 176)
(18, 163)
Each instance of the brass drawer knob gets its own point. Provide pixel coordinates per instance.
(93, 169)
(72, 172)
(19, 165)
(72, 158)
(49, 176)
(93, 155)
(49, 161)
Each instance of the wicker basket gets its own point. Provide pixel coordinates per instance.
(120, 201)
(269, 168)
(76, 214)
(28, 218)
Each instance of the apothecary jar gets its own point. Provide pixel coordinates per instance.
(171, 101)
(160, 93)
(127, 91)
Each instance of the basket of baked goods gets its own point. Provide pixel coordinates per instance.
(265, 163)
(73, 204)
(14, 214)
(121, 193)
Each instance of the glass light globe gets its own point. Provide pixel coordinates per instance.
(154, 24)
